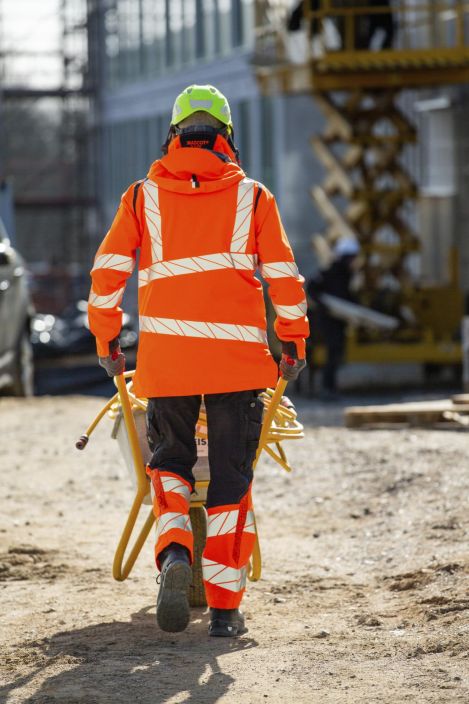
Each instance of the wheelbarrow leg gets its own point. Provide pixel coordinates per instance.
(255, 565)
(121, 571)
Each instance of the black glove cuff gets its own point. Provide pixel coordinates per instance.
(289, 348)
(114, 345)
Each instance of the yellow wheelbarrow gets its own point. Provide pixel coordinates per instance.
(128, 413)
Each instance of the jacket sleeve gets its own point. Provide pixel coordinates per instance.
(277, 266)
(113, 264)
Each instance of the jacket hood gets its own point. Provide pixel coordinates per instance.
(191, 170)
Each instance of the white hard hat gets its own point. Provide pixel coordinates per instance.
(346, 247)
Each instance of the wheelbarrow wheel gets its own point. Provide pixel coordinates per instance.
(199, 528)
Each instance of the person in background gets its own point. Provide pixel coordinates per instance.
(365, 26)
(203, 229)
(335, 280)
(382, 25)
(295, 17)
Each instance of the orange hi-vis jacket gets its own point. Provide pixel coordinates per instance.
(202, 236)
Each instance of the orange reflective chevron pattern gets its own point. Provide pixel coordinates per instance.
(204, 230)
(231, 535)
(171, 499)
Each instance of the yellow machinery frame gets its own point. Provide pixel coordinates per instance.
(355, 89)
(280, 423)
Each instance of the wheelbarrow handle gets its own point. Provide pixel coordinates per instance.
(136, 450)
(121, 566)
(269, 416)
(82, 442)
(255, 563)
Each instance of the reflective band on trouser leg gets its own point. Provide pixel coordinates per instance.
(231, 535)
(171, 497)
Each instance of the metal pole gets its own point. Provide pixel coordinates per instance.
(465, 353)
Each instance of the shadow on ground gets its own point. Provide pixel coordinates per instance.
(128, 662)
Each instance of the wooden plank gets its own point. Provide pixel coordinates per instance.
(358, 315)
(462, 399)
(421, 413)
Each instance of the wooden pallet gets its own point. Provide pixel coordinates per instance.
(417, 414)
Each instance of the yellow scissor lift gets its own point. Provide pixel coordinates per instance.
(366, 131)
(127, 411)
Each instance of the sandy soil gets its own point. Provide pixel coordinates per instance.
(364, 596)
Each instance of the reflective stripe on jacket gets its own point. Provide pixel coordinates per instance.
(202, 315)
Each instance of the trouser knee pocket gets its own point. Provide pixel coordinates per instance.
(153, 436)
(254, 412)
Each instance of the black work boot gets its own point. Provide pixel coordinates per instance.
(172, 605)
(226, 623)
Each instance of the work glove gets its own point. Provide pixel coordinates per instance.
(114, 363)
(290, 366)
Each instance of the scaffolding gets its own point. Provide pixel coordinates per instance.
(358, 80)
(44, 102)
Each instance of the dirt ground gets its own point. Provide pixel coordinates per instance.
(364, 596)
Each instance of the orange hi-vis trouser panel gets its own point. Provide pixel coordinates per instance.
(231, 535)
(171, 503)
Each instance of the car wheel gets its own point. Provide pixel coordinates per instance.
(23, 370)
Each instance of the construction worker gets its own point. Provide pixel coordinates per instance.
(203, 230)
(335, 280)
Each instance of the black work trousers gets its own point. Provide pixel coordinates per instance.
(234, 425)
(333, 332)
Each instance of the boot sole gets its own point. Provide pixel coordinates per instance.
(172, 609)
(221, 631)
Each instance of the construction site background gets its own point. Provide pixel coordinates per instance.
(86, 93)
(363, 596)
(45, 144)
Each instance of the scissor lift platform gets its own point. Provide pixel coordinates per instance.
(431, 48)
(367, 189)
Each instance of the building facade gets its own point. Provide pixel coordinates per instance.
(144, 52)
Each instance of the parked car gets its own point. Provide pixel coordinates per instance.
(69, 333)
(16, 313)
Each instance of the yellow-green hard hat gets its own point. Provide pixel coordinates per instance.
(205, 98)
